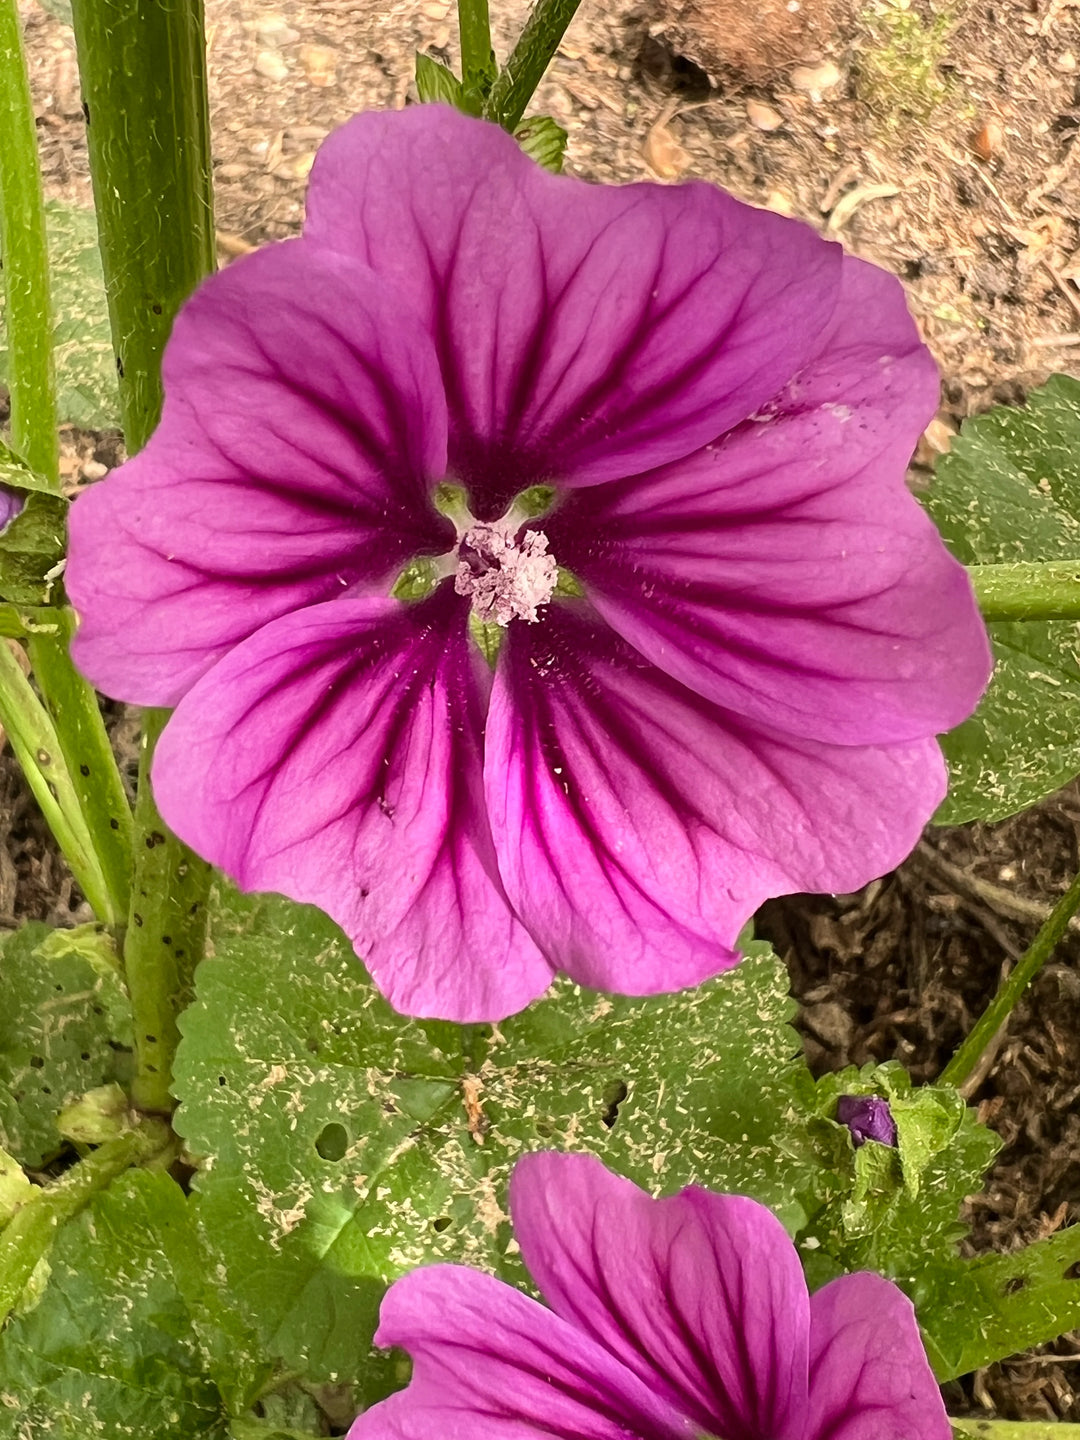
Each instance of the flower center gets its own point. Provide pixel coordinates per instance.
(503, 578)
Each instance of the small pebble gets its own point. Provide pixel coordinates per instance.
(988, 139)
(763, 117)
(94, 470)
(319, 64)
(1066, 62)
(270, 65)
(814, 80)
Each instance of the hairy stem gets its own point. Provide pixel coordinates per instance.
(1014, 1430)
(519, 77)
(478, 68)
(143, 70)
(91, 764)
(166, 936)
(25, 258)
(996, 1014)
(42, 757)
(30, 1233)
(1028, 590)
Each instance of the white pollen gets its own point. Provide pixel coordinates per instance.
(504, 580)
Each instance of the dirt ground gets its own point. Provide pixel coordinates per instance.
(938, 140)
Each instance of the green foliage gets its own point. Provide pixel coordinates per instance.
(1010, 490)
(112, 1346)
(31, 548)
(82, 345)
(544, 140)
(342, 1145)
(435, 83)
(58, 1014)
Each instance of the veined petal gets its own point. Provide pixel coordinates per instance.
(638, 826)
(334, 757)
(701, 1295)
(784, 571)
(869, 1375)
(490, 1364)
(304, 424)
(584, 331)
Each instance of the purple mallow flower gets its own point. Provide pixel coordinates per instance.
(868, 1117)
(11, 502)
(676, 1319)
(727, 641)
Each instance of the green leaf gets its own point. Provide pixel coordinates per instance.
(15, 471)
(1010, 490)
(435, 82)
(31, 549)
(109, 1348)
(979, 1311)
(82, 344)
(58, 1016)
(543, 140)
(342, 1144)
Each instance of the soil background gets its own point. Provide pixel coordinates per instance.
(938, 140)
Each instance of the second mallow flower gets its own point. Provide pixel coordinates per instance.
(686, 1318)
(651, 439)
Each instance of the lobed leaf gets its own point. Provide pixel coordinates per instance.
(58, 1015)
(1010, 490)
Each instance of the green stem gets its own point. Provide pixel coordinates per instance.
(519, 77)
(143, 70)
(30, 1233)
(25, 259)
(1028, 590)
(39, 751)
(1014, 1430)
(1000, 1008)
(91, 764)
(166, 937)
(478, 68)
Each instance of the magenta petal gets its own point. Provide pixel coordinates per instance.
(334, 757)
(785, 571)
(583, 330)
(490, 1364)
(701, 1295)
(638, 826)
(304, 423)
(869, 1376)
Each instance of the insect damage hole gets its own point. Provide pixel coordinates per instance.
(614, 1095)
(332, 1142)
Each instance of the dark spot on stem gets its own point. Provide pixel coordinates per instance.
(84, 769)
(119, 367)
(114, 824)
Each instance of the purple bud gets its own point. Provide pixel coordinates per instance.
(868, 1117)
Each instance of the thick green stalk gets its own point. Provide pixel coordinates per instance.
(478, 68)
(91, 764)
(1028, 590)
(996, 1014)
(519, 77)
(166, 937)
(1014, 1430)
(39, 751)
(143, 70)
(28, 1236)
(25, 258)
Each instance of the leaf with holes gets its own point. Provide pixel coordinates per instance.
(342, 1144)
(86, 389)
(109, 1349)
(1010, 490)
(976, 1312)
(61, 1021)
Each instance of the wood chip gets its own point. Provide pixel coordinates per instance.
(846, 206)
